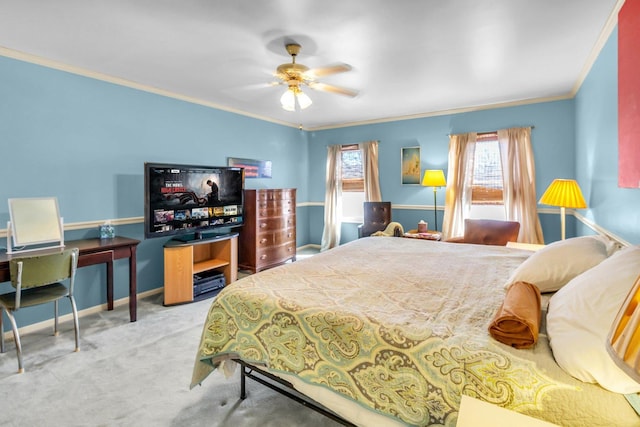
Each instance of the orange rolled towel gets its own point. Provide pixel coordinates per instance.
(517, 320)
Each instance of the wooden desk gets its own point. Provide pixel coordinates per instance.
(92, 252)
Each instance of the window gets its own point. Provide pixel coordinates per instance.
(352, 172)
(487, 185)
(352, 184)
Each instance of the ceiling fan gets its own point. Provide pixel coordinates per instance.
(295, 75)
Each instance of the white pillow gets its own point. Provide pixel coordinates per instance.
(581, 314)
(553, 266)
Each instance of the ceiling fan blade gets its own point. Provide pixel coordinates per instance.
(333, 89)
(328, 70)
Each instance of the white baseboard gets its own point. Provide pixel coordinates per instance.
(308, 246)
(82, 313)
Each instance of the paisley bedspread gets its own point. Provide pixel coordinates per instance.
(398, 326)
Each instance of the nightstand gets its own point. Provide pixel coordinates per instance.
(476, 413)
(429, 235)
(527, 246)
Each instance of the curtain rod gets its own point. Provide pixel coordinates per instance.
(495, 131)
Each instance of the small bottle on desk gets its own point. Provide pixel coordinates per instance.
(107, 231)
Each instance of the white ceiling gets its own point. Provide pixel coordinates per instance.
(409, 57)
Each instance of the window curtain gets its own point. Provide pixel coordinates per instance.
(519, 182)
(332, 199)
(459, 178)
(370, 168)
(333, 195)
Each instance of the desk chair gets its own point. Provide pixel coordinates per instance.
(377, 215)
(37, 280)
(488, 232)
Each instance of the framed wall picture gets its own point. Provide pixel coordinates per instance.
(410, 165)
(252, 168)
(628, 96)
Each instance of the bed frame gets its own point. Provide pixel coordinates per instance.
(284, 388)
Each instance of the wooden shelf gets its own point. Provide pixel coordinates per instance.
(183, 260)
(209, 264)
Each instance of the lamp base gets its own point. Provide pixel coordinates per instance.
(435, 210)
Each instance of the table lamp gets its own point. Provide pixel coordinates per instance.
(623, 343)
(435, 179)
(566, 194)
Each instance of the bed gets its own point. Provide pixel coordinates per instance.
(393, 331)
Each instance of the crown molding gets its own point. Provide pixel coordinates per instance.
(37, 60)
(602, 39)
(56, 65)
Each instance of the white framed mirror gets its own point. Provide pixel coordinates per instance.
(34, 221)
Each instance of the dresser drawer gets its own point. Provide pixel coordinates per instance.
(282, 194)
(276, 207)
(276, 238)
(275, 255)
(276, 223)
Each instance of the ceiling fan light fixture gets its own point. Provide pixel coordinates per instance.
(296, 75)
(288, 100)
(292, 96)
(303, 99)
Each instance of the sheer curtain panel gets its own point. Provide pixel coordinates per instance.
(459, 179)
(519, 182)
(332, 199)
(370, 168)
(333, 195)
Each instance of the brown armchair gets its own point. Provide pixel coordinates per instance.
(377, 215)
(488, 232)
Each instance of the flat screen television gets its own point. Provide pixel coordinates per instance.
(192, 202)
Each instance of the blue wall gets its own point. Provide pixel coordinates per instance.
(85, 142)
(552, 139)
(575, 138)
(615, 209)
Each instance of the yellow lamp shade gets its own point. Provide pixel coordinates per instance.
(434, 178)
(565, 193)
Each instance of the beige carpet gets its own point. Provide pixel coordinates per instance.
(133, 374)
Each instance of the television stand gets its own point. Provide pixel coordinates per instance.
(202, 235)
(182, 260)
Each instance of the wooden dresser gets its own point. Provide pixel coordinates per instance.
(268, 237)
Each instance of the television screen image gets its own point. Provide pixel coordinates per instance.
(183, 199)
(199, 213)
(181, 214)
